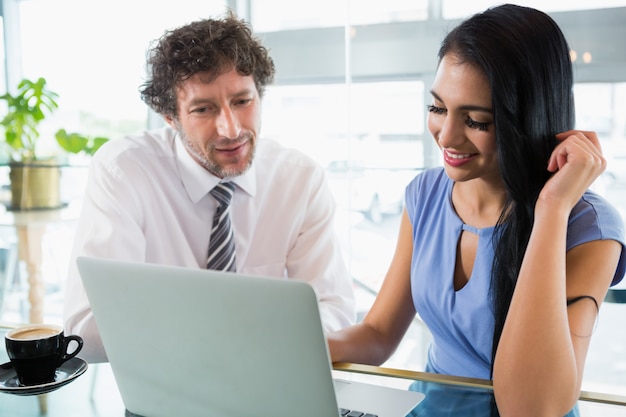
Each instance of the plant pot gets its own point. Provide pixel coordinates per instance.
(35, 185)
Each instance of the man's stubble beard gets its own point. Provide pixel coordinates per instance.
(212, 166)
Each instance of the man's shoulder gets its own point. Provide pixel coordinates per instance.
(281, 166)
(155, 142)
(273, 152)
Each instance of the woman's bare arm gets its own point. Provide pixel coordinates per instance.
(375, 339)
(540, 358)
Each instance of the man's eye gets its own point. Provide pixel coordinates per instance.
(434, 109)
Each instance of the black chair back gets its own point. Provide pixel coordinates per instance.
(616, 295)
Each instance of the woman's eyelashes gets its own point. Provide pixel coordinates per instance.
(471, 123)
(476, 125)
(434, 109)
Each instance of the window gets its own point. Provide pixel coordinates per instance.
(601, 107)
(2, 56)
(93, 55)
(329, 13)
(454, 9)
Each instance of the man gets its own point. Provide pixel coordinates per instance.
(148, 197)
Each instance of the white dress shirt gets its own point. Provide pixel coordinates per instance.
(147, 200)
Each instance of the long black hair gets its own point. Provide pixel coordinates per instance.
(526, 60)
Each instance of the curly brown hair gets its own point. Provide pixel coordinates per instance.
(211, 47)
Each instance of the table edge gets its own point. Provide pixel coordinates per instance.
(590, 396)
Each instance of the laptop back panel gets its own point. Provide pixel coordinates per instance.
(193, 342)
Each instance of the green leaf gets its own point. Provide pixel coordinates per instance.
(71, 142)
(76, 143)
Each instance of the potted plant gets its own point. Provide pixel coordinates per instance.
(35, 179)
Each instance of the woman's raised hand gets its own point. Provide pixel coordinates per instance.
(576, 163)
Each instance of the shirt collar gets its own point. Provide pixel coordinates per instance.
(198, 181)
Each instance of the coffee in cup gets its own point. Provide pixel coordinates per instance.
(37, 350)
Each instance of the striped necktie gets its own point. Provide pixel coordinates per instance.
(222, 243)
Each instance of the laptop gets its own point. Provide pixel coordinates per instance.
(194, 342)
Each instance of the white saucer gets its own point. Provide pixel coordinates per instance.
(65, 374)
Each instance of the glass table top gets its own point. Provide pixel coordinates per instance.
(95, 394)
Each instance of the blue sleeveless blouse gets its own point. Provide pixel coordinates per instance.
(461, 322)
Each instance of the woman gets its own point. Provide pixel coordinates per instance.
(503, 252)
